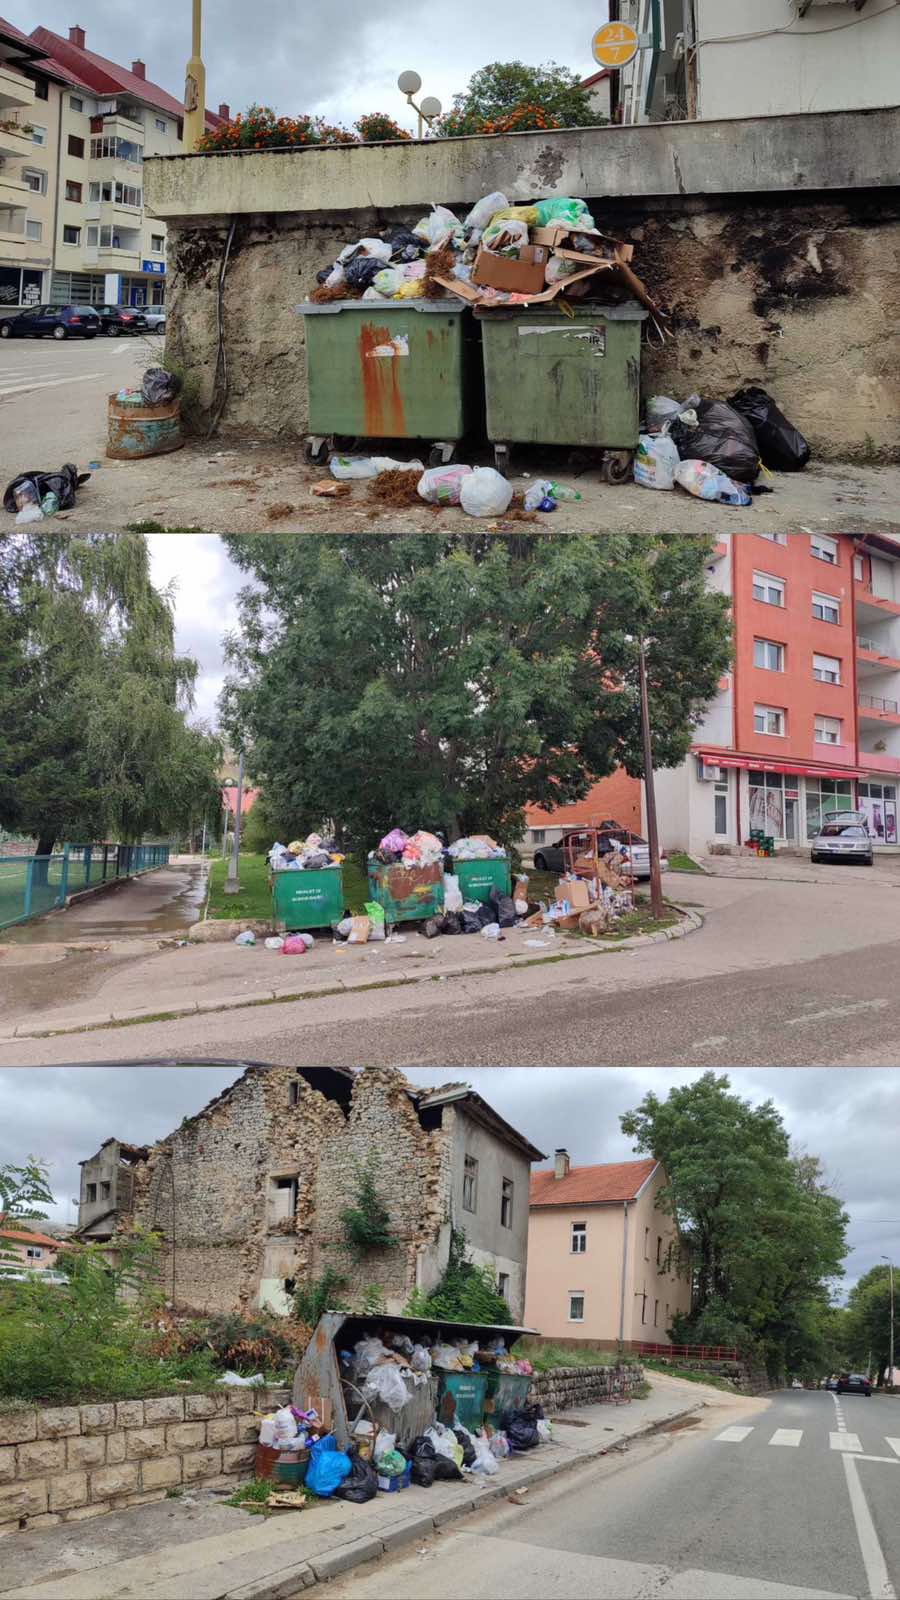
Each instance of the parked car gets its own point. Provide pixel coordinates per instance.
(552, 857)
(60, 322)
(122, 319)
(853, 1383)
(155, 320)
(796, 1383)
(830, 1383)
(843, 836)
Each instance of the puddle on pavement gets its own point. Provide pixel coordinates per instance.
(139, 907)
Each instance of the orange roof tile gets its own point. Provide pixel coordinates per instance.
(609, 1184)
(29, 1238)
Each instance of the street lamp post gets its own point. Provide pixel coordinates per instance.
(409, 83)
(233, 880)
(194, 85)
(891, 1281)
(656, 894)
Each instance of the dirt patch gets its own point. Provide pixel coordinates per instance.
(681, 1424)
(395, 488)
(280, 510)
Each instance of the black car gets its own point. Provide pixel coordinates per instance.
(853, 1383)
(121, 319)
(60, 322)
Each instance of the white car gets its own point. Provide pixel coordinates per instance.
(155, 319)
(843, 836)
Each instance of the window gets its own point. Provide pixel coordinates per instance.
(720, 810)
(644, 1308)
(827, 669)
(161, 125)
(32, 230)
(769, 590)
(38, 135)
(35, 179)
(824, 796)
(576, 1306)
(828, 730)
(91, 1192)
(768, 719)
(858, 568)
(579, 1238)
(34, 1253)
(75, 103)
(110, 148)
(105, 1191)
(824, 549)
(768, 654)
(93, 238)
(774, 538)
(157, 243)
(470, 1184)
(71, 235)
(73, 191)
(825, 608)
(75, 146)
(766, 810)
(646, 1244)
(506, 1203)
(41, 89)
(656, 1313)
(282, 1198)
(293, 1093)
(503, 1285)
(659, 1250)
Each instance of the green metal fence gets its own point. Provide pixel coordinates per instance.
(30, 885)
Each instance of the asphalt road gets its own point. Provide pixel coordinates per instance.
(796, 1499)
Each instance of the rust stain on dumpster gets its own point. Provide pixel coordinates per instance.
(134, 432)
(382, 400)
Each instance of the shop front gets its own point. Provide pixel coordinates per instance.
(730, 795)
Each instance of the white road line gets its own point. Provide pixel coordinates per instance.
(732, 1435)
(118, 349)
(791, 1436)
(894, 1444)
(844, 1441)
(880, 1586)
(51, 383)
(890, 1461)
(850, 1010)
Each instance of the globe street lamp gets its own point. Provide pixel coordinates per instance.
(409, 83)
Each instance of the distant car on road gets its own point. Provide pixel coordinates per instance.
(552, 857)
(796, 1383)
(155, 319)
(853, 1383)
(122, 319)
(843, 837)
(830, 1383)
(59, 322)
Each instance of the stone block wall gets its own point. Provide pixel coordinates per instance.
(68, 1463)
(566, 1387)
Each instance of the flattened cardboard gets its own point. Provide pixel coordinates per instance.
(524, 275)
(556, 234)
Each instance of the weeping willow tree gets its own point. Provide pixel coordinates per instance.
(94, 698)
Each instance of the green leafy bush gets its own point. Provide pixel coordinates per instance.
(315, 1296)
(466, 1293)
(263, 1342)
(367, 1224)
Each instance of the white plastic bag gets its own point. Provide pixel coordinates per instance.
(386, 1384)
(483, 209)
(445, 1442)
(453, 900)
(446, 1356)
(485, 1460)
(274, 943)
(485, 493)
(384, 1444)
(247, 937)
(656, 461)
(285, 1427)
(499, 1446)
(491, 931)
(367, 1352)
(369, 466)
(440, 486)
(336, 275)
(377, 248)
(439, 226)
(545, 1430)
(703, 480)
(420, 1360)
(388, 280)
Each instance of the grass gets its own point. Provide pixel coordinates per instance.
(680, 861)
(551, 1356)
(254, 901)
(691, 1374)
(253, 1497)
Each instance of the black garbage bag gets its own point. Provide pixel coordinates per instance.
(432, 927)
(62, 483)
(468, 1449)
(520, 1427)
(324, 273)
(445, 1468)
(451, 922)
(361, 1483)
(360, 271)
(405, 246)
(471, 922)
(485, 914)
(423, 1458)
(723, 437)
(504, 909)
(159, 387)
(781, 446)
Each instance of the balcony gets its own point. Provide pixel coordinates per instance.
(872, 607)
(14, 195)
(13, 245)
(14, 141)
(872, 660)
(115, 123)
(16, 93)
(875, 708)
(112, 258)
(879, 761)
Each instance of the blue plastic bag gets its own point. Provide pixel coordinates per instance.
(328, 1467)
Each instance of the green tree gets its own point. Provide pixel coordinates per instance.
(466, 1292)
(764, 1233)
(24, 1191)
(93, 695)
(869, 1317)
(497, 92)
(450, 679)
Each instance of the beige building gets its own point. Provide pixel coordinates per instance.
(35, 1252)
(604, 1263)
(31, 91)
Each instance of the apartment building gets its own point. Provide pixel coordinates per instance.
(605, 1264)
(808, 719)
(31, 91)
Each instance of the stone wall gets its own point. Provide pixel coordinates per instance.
(67, 1463)
(566, 1387)
(772, 241)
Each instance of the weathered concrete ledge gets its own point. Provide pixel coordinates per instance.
(812, 151)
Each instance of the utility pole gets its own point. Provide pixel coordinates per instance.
(891, 1282)
(194, 86)
(656, 894)
(233, 880)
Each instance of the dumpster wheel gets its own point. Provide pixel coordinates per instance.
(617, 466)
(316, 449)
(441, 453)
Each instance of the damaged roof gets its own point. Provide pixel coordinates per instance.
(477, 1108)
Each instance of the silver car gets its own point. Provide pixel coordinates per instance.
(843, 836)
(155, 319)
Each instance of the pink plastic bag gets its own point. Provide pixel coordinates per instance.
(395, 840)
(294, 945)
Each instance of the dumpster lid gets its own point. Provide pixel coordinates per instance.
(331, 1324)
(311, 308)
(628, 311)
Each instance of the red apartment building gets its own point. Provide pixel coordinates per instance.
(808, 719)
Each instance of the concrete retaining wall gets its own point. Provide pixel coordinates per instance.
(566, 1387)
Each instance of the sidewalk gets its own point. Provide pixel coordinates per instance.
(197, 1548)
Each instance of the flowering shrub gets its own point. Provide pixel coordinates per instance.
(260, 129)
(523, 118)
(378, 126)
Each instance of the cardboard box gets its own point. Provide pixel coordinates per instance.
(524, 276)
(558, 237)
(576, 892)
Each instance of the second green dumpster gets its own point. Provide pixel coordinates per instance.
(310, 899)
(408, 894)
(478, 878)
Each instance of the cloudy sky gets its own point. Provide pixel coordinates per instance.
(295, 59)
(847, 1116)
(204, 585)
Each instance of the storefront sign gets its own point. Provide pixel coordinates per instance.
(158, 268)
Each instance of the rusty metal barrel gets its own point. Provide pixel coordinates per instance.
(136, 430)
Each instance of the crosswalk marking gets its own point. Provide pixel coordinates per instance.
(844, 1441)
(894, 1444)
(49, 383)
(791, 1436)
(732, 1435)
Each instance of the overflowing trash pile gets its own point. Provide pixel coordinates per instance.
(312, 854)
(499, 254)
(419, 849)
(715, 449)
(35, 495)
(479, 847)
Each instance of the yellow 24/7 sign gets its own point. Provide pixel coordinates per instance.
(615, 44)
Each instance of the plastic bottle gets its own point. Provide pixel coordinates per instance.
(560, 491)
(50, 504)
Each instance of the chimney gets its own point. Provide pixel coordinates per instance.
(76, 36)
(225, 112)
(139, 68)
(560, 1163)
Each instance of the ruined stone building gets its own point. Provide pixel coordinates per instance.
(248, 1194)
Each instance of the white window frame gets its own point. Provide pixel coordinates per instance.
(822, 733)
(767, 712)
(34, 1252)
(157, 249)
(576, 1294)
(858, 569)
(771, 585)
(824, 548)
(69, 227)
(76, 103)
(720, 792)
(161, 125)
(826, 602)
(503, 1285)
(773, 538)
(33, 230)
(470, 1184)
(38, 136)
(578, 1239)
(93, 236)
(767, 645)
(29, 173)
(826, 669)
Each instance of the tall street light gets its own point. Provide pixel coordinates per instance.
(891, 1281)
(409, 83)
(656, 894)
(194, 86)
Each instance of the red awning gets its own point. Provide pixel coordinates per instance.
(716, 758)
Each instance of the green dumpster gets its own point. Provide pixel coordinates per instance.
(478, 878)
(506, 1391)
(461, 1399)
(308, 899)
(564, 377)
(409, 370)
(408, 894)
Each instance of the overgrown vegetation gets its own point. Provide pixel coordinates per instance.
(551, 1356)
(690, 1374)
(466, 1293)
(262, 1342)
(314, 1296)
(512, 97)
(367, 1224)
(24, 1191)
